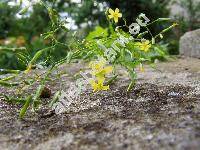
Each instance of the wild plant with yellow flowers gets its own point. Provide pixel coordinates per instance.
(113, 45)
(128, 49)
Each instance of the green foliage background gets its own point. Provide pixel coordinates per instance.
(37, 21)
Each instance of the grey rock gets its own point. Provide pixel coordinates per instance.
(161, 112)
(190, 44)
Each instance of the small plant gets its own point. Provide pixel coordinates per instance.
(104, 47)
(128, 49)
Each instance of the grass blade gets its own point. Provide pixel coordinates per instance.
(55, 98)
(6, 71)
(7, 84)
(25, 107)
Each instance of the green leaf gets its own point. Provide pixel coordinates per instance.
(99, 32)
(6, 71)
(53, 16)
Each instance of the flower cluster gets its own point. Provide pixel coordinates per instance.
(96, 76)
(99, 71)
(134, 28)
(96, 79)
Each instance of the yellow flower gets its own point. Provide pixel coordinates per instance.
(114, 14)
(99, 69)
(98, 86)
(145, 45)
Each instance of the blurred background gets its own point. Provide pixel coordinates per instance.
(23, 29)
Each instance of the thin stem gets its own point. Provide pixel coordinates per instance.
(110, 81)
(131, 86)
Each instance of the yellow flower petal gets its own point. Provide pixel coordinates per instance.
(144, 46)
(120, 15)
(99, 85)
(117, 10)
(92, 82)
(101, 80)
(116, 19)
(111, 11)
(94, 85)
(105, 88)
(108, 69)
(97, 67)
(110, 16)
